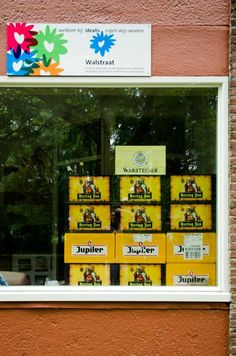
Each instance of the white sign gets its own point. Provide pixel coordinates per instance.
(140, 160)
(78, 49)
(178, 250)
(85, 250)
(193, 246)
(133, 250)
(191, 280)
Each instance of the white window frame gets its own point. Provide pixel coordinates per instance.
(220, 293)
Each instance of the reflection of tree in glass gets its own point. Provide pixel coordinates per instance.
(48, 132)
(181, 119)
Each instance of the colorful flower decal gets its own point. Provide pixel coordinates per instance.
(51, 69)
(102, 43)
(50, 45)
(24, 64)
(20, 36)
(32, 52)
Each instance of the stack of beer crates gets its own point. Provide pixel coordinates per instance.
(191, 242)
(89, 244)
(140, 244)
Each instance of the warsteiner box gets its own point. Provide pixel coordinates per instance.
(140, 248)
(89, 274)
(191, 217)
(89, 189)
(188, 247)
(195, 187)
(89, 217)
(89, 247)
(140, 217)
(140, 188)
(190, 274)
(140, 275)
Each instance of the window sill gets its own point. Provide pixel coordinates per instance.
(113, 294)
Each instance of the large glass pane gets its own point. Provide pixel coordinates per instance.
(68, 218)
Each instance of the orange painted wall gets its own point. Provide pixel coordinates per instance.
(188, 38)
(114, 329)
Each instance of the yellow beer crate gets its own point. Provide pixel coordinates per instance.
(190, 274)
(189, 247)
(140, 188)
(89, 248)
(140, 275)
(89, 217)
(191, 217)
(140, 217)
(140, 248)
(89, 189)
(89, 274)
(195, 187)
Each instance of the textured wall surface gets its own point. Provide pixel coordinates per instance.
(188, 38)
(132, 330)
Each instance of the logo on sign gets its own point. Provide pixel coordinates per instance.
(191, 279)
(140, 250)
(102, 43)
(140, 159)
(89, 250)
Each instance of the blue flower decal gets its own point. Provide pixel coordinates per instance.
(21, 64)
(102, 43)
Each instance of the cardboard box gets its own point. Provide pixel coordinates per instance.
(191, 247)
(196, 187)
(140, 217)
(89, 248)
(140, 275)
(190, 217)
(190, 274)
(89, 274)
(140, 248)
(89, 189)
(140, 188)
(89, 217)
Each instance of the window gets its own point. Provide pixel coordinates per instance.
(119, 186)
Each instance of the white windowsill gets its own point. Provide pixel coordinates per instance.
(112, 294)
